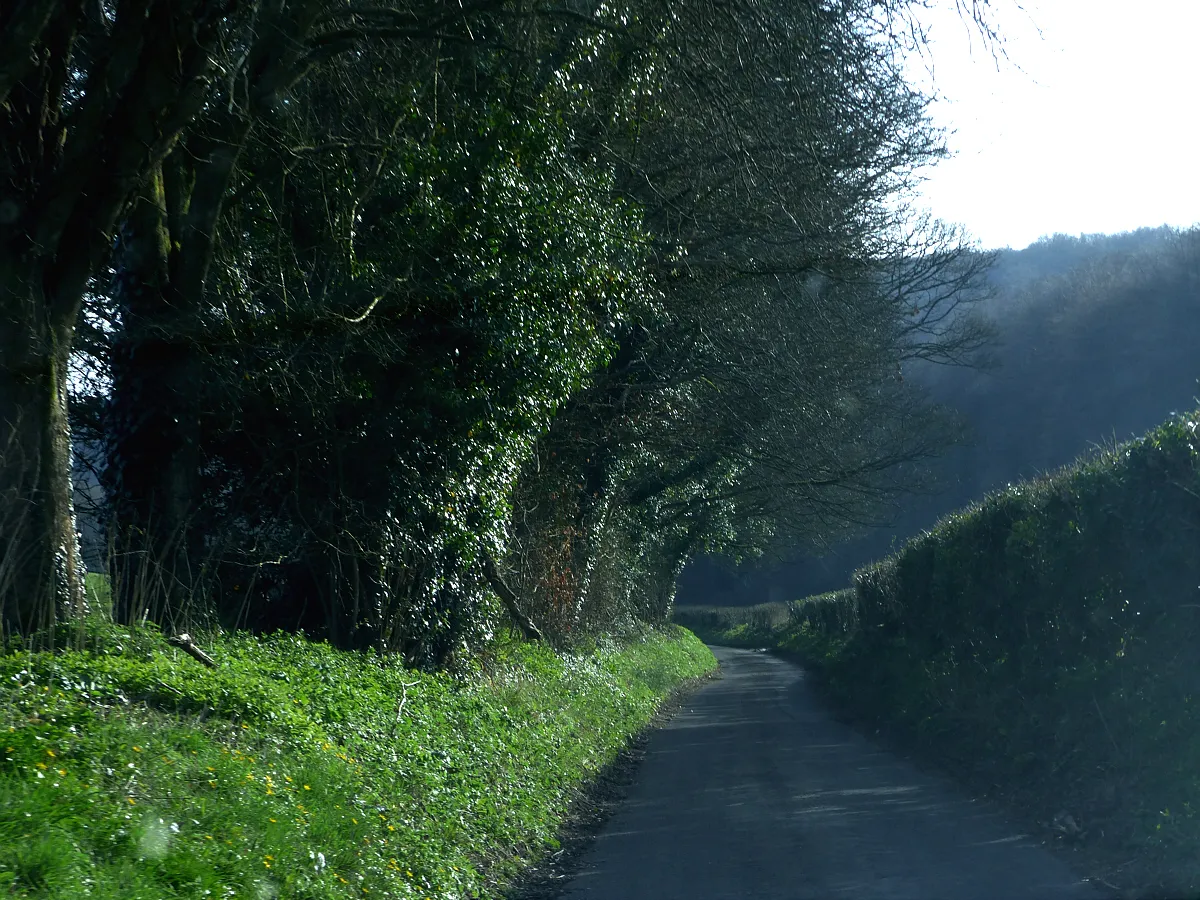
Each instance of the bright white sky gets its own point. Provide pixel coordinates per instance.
(1096, 131)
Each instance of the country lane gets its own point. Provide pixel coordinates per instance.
(753, 792)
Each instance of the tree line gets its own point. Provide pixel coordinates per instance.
(398, 322)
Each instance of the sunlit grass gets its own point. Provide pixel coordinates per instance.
(295, 770)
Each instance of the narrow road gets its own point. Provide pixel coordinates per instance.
(752, 792)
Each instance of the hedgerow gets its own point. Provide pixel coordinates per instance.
(1042, 643)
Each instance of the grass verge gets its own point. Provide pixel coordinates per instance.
(293, 770)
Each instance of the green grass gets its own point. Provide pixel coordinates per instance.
(297, 771)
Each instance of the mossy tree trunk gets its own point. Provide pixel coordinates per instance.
(41, 574)
(153, 429)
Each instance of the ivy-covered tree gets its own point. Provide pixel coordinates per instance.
(386, 353)
(758, 407)
(424, 315)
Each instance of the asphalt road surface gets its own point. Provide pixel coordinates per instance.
(753, 792)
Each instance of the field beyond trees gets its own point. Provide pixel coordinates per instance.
(1042, 645)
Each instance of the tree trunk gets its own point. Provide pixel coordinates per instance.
(41, 572)
(508, 598)
(152, 470)
(165, 252)
(588, 535)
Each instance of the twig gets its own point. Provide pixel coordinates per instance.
(400, 706)
(185, 643)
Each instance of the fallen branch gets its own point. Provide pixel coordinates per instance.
(404, 686)
(185, 643)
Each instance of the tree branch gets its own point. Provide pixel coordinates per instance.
(20, 32)
(509, 599)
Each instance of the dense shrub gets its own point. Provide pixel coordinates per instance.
(835, 612)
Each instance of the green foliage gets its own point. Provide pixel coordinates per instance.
(487, 265)
(757, 408)
(734, 626)
(579, 296)
(295, 770)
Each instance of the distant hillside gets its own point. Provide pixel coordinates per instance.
(1097, 338)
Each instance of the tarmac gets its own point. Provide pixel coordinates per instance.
(754, 792)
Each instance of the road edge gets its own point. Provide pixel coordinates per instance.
(972, 783)
(595, 803)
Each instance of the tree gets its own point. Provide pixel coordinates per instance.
(376, 357)
(538, 214)
(164, 252)
(92, 99)
(756, 407)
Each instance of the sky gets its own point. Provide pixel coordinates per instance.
(1091, 126)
